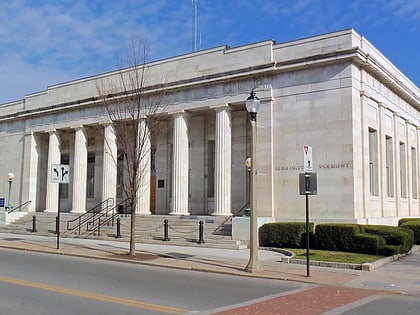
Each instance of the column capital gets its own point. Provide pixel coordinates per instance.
(51, 131)
(78, 127)
(179, 112)
(221, 107)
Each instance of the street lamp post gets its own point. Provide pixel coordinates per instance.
(252, 106)
(10, 177)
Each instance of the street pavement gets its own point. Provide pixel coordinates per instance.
(330, 288)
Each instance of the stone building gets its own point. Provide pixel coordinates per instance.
(335, 92)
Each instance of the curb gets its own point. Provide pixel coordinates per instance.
(364, 267)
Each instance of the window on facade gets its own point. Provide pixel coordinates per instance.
(120, 175)
(90, 185)
(403, 171)
(64, 188)
(171, 167)
(373, 162)
(414, 172)
(210, 168)
(389, 167)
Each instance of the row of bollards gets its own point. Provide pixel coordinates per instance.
(118, 235)
(200, 232)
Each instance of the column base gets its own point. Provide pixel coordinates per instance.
(180, 213)
(51, 210)
(143, 213)
(77, 211)
(221, 214)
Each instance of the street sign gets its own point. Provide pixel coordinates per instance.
(307, 158)
(60, 173)
(308, 184)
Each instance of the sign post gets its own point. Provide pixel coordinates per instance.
(307, 186)
(60, 174)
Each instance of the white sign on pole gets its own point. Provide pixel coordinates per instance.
(307, 158)
(60, 173)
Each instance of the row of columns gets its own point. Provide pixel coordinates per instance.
(223, 161)
(180, 169)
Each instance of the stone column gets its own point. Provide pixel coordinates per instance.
(54, 157)
(223, 162)
(180, 166)
(79, 170)
(30, 171)
(143, 191)
(109, 175)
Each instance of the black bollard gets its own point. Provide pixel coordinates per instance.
(201, 233)
(165, 231)
(56, 225)
(34, 224)
(118, 228)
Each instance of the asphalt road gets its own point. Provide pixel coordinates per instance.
(35, 283)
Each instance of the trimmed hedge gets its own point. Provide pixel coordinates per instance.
(338, 237)
(368, 243)
(403, 220)
(415, 227)
(367, 239)
(283, 234)
(396, 236)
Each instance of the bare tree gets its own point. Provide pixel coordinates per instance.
(133, 107)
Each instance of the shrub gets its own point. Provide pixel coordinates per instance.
(403, 220)
(389, 250)
(339, 237)
(404, 238)
(368, 243)
(283, 234)
(415, 227)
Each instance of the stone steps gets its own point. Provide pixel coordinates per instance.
(183, 231)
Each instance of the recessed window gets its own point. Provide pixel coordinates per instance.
(389, 166)
(90, 185)
(403, 171)
(414, 172)
(373, 162)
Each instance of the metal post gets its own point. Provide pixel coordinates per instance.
(308, 273)
(118, 228)
(58, 217)
(34, 224)
(56, 225)
(165, 230)
(253, 264)
(99, 226)
(200, 233)
(9, 207)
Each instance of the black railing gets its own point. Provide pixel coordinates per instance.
(18, 207)
(105, 217)
(77, 223)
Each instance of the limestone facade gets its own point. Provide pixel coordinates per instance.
(335, 92)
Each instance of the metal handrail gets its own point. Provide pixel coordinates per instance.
(88, 215)
(19, 207)
(97, 220)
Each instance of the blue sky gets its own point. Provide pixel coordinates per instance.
(45, 42)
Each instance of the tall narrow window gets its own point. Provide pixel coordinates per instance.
(373, 162)
(90, 185)
(403, 171)
(414, 172)
(64, 188)
(120, 175)
(210, 168)
(389, 167)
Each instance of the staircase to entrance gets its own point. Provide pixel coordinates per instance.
(182, 231)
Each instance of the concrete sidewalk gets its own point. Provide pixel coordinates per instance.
(341, 286)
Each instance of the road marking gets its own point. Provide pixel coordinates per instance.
(95, 296)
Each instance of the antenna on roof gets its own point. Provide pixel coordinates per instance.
(194, 25)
